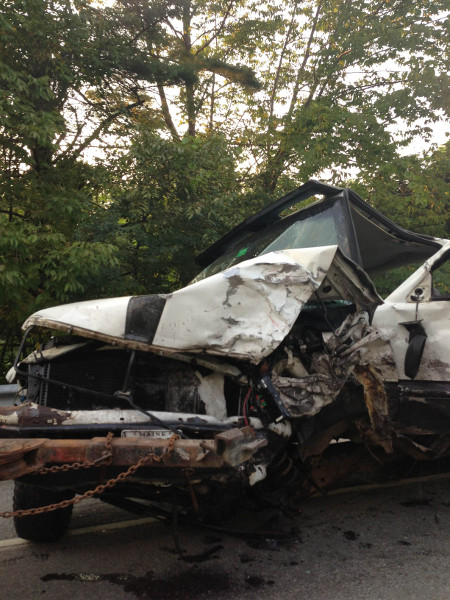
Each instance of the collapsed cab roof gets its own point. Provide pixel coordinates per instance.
(368, 237)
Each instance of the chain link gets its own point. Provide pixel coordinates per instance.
(97, 490)
(107, 457)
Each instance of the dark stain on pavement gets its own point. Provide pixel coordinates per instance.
(189, 585)
(416, 502)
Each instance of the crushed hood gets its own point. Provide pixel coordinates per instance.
(243, 312)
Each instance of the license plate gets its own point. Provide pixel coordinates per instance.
(158, 434)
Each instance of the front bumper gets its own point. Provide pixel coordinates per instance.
(221, 451)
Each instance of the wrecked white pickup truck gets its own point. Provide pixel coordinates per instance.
(237, 387)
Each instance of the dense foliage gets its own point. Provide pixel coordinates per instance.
(132, 136)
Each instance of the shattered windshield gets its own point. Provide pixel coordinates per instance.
(323, 224)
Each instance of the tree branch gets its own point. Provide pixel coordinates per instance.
(280, 62)
(218, 30)
(11, 213)
(301, 70)
(95, 134)
(166, 113)
(139, 33)
(177, 33)
(189, 86)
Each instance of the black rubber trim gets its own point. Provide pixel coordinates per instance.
(143, 316)
(270, 214)
(100, 429)
(265, 216)
(414, 352)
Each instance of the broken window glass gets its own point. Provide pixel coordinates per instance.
(323, 225)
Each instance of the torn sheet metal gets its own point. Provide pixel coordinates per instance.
(354, 344)
(307, 396)
(379, 433)
(244, 312)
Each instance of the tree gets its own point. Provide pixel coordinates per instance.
(413, 191)
(67, 75)
(191, 34)
(213, 108)
(333, 80)
(176, 199)
(345, 84)
(339, 85)
(176, 189)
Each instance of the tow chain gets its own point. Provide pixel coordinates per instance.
(103, 461)
(97, 490)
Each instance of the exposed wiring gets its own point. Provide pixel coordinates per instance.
(77, 388)
(245, 406)
(325, 315)
(129, 367)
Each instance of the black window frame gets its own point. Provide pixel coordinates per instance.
(340, 200)
(443, 259)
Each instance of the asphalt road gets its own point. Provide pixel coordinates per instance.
(385, 544)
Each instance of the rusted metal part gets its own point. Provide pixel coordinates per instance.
(91, 493)
(20, 457)
(375, 396)
(420, 452)
(13, 454)
(11, 450)
(30, 414)
(102, 461)
(335, 464)
(188, 473)
(318, 442)
(412, 448)
(236, 446)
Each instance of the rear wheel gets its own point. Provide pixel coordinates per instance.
(44, 527)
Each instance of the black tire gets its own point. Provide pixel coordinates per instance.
(45, 527)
